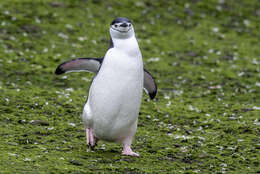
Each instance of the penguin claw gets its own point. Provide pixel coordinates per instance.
(92, 146)
(131, 154)
(91, 139)
(128, 151)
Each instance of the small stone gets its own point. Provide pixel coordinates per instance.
(76, 162)
(57, 4)
(40, 122)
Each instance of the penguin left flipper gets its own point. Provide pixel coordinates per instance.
(79, 64)
(93, 65)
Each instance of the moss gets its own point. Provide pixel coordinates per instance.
(205, 118)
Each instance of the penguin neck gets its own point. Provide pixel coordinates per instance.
(127, 45)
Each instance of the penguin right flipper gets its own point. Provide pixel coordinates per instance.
(149, 84)
(80, 64)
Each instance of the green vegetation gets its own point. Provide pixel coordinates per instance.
(204, 55)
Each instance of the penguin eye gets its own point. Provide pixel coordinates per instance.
(116, 25)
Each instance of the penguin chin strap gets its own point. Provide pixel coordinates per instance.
(120, 30)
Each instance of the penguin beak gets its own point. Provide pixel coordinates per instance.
(124, 25)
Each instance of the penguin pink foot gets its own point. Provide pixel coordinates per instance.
(91, 140)
(128, 151)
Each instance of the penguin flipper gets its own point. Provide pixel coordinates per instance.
(79, 64)
(149, 84)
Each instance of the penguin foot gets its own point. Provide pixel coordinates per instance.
(128, 151)
(91, 139)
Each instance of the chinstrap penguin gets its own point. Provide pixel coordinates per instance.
(114, 99)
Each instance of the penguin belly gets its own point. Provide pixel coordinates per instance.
(114, 98)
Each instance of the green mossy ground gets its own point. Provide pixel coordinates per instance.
(204, 55)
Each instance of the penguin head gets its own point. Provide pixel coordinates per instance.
(121, 28)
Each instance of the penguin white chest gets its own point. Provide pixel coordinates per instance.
(115, 95)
